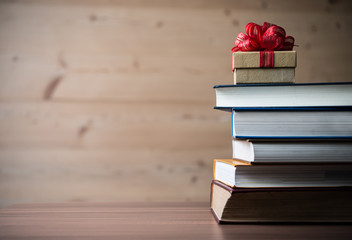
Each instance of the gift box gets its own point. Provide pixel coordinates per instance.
(263, 55)
(260, 75)
(281, 59)
(264, 67)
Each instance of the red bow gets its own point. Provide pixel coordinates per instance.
(260, 38)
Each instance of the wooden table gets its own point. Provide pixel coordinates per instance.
(144, 221)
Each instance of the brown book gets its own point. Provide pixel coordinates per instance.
(318, 204)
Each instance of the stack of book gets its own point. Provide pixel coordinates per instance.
(292, 152)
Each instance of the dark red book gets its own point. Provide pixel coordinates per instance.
(308, 204)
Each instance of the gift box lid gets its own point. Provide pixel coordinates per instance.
(251, 59)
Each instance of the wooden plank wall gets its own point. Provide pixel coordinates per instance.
(112, 100)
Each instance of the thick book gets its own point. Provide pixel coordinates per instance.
(281, 95)
(316, 205)
(240, 174)
(292, 151)
(292, 122)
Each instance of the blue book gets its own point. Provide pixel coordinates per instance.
(292, 123)
(284, 95)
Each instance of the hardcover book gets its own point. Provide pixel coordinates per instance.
(240, 174)
(283, 95)
(291, 150)
(292, 122)
(236, 205)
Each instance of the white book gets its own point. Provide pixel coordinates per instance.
(279, 95)
(238, 174)
(259, 151)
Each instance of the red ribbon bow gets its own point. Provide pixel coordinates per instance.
(268, 37)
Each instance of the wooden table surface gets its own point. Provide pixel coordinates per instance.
(144, 221)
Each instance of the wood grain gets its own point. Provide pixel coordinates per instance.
(97, 175)
(90, 84)
(147, 49)
(143, 220)
(112, 125)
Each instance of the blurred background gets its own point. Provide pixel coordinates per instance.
(112, 100)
